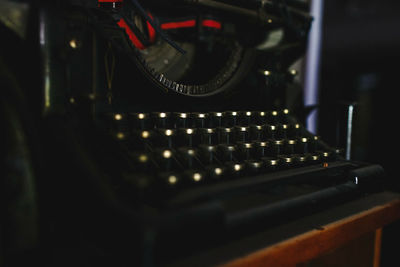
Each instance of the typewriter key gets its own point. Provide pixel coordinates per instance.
(277, 147)
(270, 131)
(287, 160)
(181, 120)
(225, 135)
(242, 133)
(254, 166)
(207, 154)
(245, 150)
(231, 118)
(187, 156)
(281, 131)
(140, 121)
(199, 119)
(216, 119)
(187, 137)
(261, 117)
(235, 169)
(161, 119)
(226, 152)
(272, 117)
(166, 137)
(208, 136)
(261, 149)
(165, 159)
(257, 132)
(117, 122)
(194, 176)
(246, 118)
(290, 146)
(216, 173)
(271, 163)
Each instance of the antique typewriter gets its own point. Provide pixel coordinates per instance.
(165, 127)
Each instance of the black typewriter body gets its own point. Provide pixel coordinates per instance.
(154, 140)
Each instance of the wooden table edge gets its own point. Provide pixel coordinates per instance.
(308, 245)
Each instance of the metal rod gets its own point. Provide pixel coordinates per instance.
(350, 114)
(311, 84)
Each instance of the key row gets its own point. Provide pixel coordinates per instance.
(174, 177)
(212, 136)
(125, 121)
(165, 159)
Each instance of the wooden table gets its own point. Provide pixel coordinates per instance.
(349, 233)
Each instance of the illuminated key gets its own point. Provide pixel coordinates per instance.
(140, 121)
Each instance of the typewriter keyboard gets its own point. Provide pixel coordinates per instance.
(177, 150)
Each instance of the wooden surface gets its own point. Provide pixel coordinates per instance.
(306, 238)
(377, 247)
(311, 244)
(358, 252)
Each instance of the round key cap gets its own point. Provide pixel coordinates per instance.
(216, 119)
(314, 158)
(141, 139)
(261, 117)
(294, 130)
(281, 131)
(225, 135)
(140, 121)
(287, 161)
(162, 119)
(277, 147)
(245, 150)
(164, 159)
(226, 152)
(194, 177)
(272, 117)
(257, 132)
(271, 163)
(117, 122)
(141, 161)
(261, 149)
(270, 131)
(325, 155)
(231, 118)
(182, 120)
(290, 146)
(254, 166)
(187, 156)
(235, 169)
(301, 159)
(242, 133)
(207, 136)
(215, 172)
(187, 137)
(302, 145)
(166, 137)
(246, 118)
(199, 119)
(207, 154)
(314, 144)
(170, 180)
(284, 116)
(121, 136)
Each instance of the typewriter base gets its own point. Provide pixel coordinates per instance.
(307, 238)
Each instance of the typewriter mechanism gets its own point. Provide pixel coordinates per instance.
(159, 120)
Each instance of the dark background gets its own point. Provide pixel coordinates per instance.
(360, 57)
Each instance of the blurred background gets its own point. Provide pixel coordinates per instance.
(360, 53)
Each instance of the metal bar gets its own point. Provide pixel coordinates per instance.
(311, 84)
(350, 114)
